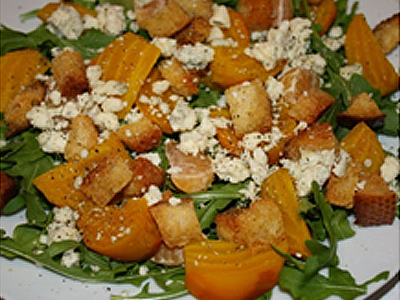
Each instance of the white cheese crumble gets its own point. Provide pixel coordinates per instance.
(196, 56)
(166, 45)
(289, 41)
(111, 18)
(312, 166)
(220, 16)
(182, 117)
(347, 71)
(153, 195)
(389, 171)
(65, 21)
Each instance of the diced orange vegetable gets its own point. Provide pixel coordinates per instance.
(18, 70)
(126, 233)
(232, 66)
(222, 270)
(324, 14)
(228, 140)
(280, 188)
(60, 185)
(286, 125)
(154, 111)
(364, 147)
(46, 11)
(128, 59)
(361, 46)
(238, 30)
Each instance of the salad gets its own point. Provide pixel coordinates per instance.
(177, 140)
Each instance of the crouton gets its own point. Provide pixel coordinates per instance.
(177, 222)
(170, 257)
(161, 17)
(296, 81)
(317, 137)
(107, 179)
(144, 174)
(197, 8)
(387, 33)
(17, 107)
(264, 14)
(340, 191)
(82, 137)
(311, 105)
(362, 108)
(182, 81)
(250, 107)
(8, 189)
(197, 31)
(374, 202)
(140, 136)
(255, 227)
(70, 73)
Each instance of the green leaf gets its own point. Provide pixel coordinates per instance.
(145, 294)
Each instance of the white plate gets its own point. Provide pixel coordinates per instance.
(372, 250)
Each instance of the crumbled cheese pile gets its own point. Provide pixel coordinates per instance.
(63, 228)
(66, 21)
(289, 41)
(55, 113)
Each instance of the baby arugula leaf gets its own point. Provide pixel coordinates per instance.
(304, 280)
(23, 159)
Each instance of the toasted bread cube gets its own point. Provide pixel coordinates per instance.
(182, 81)
(140, 136)
(387, 33)
(8, 189)
(362, 108)
(161, 17)
(374, 202)
(197, 31)
(250, 107)
(296, 81)
(177, 222)
(16, 108)
(70, 73)
(255, 227)
(317, 137)
(82, 137)
(311, 105)
(197, 8)
(145, 174)
(106, 180)
(340, 191)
